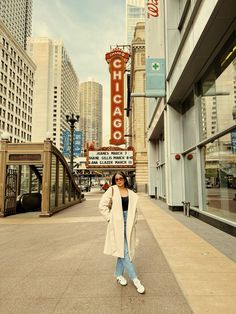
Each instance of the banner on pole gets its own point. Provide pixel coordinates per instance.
(155, 48)
(66, 143)
(78, 143)
(66, 149)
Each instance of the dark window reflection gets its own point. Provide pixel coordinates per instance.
(220, 177)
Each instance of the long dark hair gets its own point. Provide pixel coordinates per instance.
(121, 173)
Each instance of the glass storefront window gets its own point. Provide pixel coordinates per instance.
(220, 176)
(218, 113)
(218, 101)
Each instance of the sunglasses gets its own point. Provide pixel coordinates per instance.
(119, 179)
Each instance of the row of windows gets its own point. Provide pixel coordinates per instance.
(5, 67)
(11, 105)
(18, 112)
(10, 117)
(14, 55)
(12, 85)
(11, 95)
(17, 131)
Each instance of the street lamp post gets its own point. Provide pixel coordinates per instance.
(72, 119)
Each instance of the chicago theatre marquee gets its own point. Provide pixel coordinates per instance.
(114, 157)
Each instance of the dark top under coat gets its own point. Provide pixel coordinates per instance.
(125, 202)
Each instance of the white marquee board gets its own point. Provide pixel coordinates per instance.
(99, 158)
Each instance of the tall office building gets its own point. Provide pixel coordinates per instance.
(135, 12)
(16, 88)
(56, 89)
(90, 100)
(17, 17)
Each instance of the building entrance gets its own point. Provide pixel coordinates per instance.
(35, 176)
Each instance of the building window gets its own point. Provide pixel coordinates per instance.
(220, 176)
(217, 101)
(218, 130)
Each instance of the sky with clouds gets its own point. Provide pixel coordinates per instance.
(88, 28)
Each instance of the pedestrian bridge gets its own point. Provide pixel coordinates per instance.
(35, 177)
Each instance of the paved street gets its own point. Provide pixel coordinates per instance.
(56, 265)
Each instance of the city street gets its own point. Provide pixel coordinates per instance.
(100, 96)
(57, 265)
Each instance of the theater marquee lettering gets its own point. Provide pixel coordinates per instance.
(110, 158)
(117, 60)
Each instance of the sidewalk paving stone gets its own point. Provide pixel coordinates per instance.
(194, 256)
(56, 265)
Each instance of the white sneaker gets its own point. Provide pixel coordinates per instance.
(122, 281)
(138, 285)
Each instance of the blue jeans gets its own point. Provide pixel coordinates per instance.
(125, 263)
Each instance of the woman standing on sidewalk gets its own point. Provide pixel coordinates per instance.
(119, 207)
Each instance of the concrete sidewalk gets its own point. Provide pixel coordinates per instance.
(57, 265)
(206, 277)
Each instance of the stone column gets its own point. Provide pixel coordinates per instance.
(3, 168)
(46, 184)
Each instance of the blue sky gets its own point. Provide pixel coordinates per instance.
(88, 28)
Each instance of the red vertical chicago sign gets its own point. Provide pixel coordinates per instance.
(117, 60)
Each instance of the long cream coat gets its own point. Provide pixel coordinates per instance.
(114, 243)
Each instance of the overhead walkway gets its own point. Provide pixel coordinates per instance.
(35, 176)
